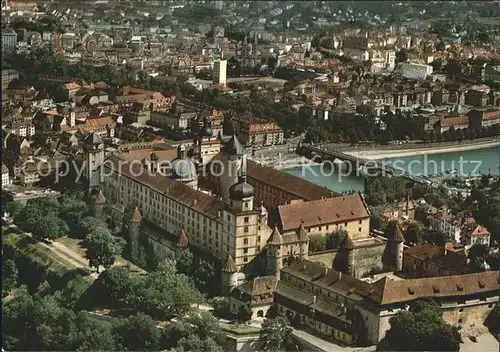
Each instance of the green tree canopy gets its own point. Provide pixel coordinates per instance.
(244, 312)
(422, 328)
(334, 239)
(316, 243)
(102, 248)
(276, 335)
(137, 333)
(199, 331)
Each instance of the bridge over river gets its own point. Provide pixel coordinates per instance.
(371, 167)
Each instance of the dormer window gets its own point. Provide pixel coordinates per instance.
(435, 289)
(459, 287)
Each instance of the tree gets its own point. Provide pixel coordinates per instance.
(440, 46)
(493, 261)
(36, 323)
(276, 335)
(472, 133)
(220, 306)
(102, 247)
(7, 199)
(478, 254)
(447, 136)
(316, 243)
(9, 276)
(387, 136)
(402, 56)
(195, 332)
(352, 136)
(436, 237)
(334, 239)
(164, 293)
(453, 133)
(88, 225)
(204, 276)
(245, 312)
(137, 333)
(70, 295)
(413, 233)
(92, 334)
(422, 328)
(72, 211)
(114, 285)
(184, 261)
(485, 180)
(47, 228)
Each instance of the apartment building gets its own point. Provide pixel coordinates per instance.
(446, 223)
(415, 71)
(220, 72)
(8, 76)
(5, 176)
(256, 132)
(9, 40)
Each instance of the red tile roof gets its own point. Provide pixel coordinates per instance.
(322, 212)
(196, 200)
(388, 291)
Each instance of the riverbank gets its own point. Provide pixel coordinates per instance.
(286, 161)
(377, 154)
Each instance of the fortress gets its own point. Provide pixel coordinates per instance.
(254, 223)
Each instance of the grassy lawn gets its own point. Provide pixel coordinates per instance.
(35, 250)
(77, 246)
(239, 329)
(74, 244)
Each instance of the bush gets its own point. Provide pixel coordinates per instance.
(316, 243)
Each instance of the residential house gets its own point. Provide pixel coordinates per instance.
(472, 234)
(447, 223)
(5, 176)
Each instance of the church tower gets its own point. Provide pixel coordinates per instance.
(241, 193)
(93, 159)
(274, 256)
(233, 154)
(208, 144)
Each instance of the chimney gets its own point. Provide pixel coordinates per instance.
(314, 299)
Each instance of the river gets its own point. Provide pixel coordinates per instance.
(479, 161)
